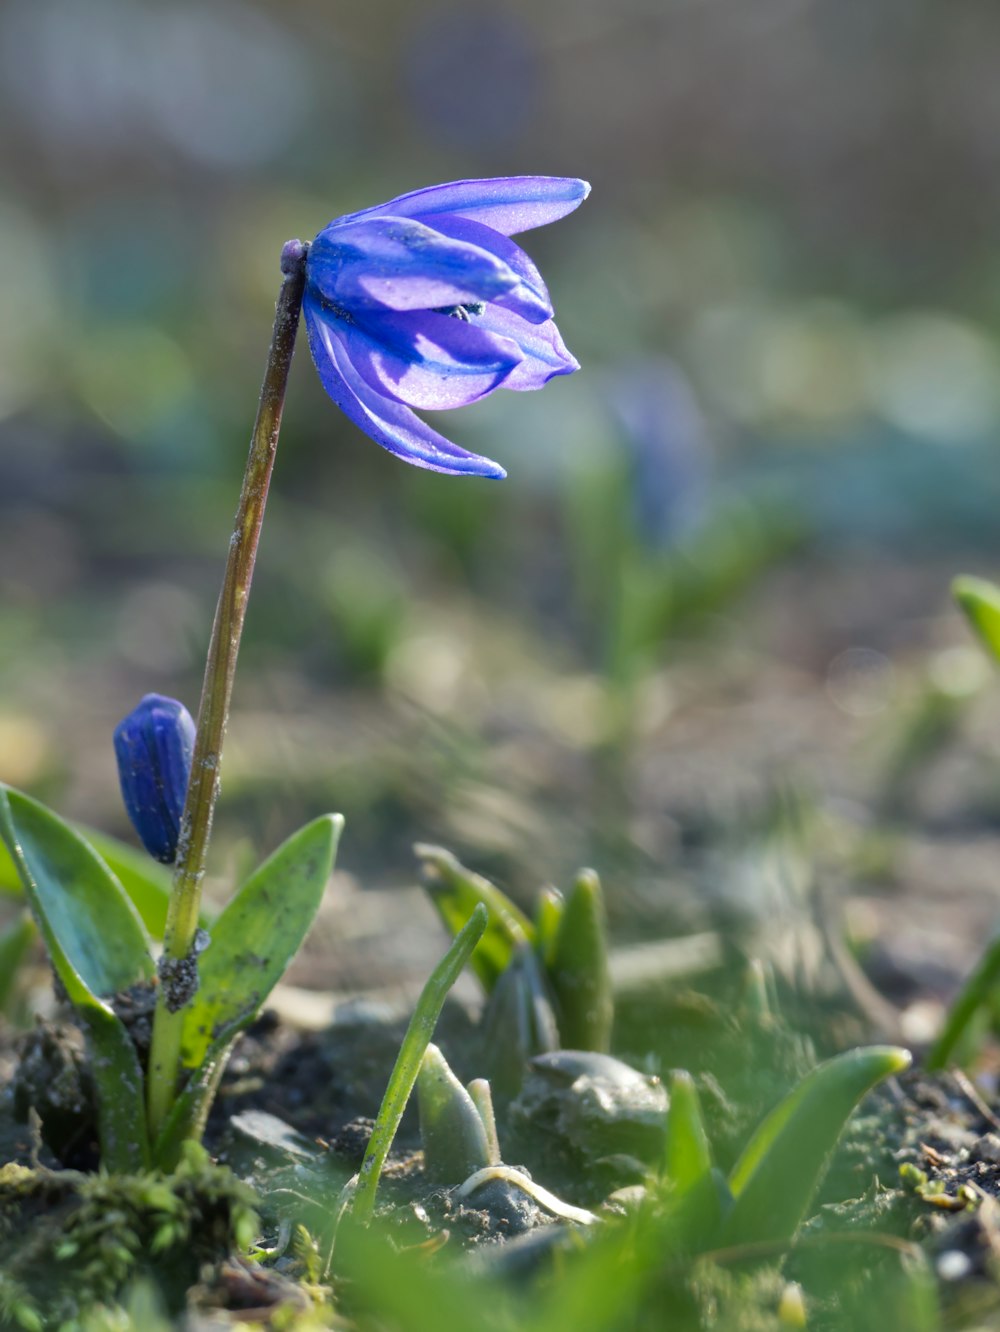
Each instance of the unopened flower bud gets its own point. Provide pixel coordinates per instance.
(153, 745)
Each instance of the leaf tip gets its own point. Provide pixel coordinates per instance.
(897, 1060)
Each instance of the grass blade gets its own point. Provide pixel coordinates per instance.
(410, 1057)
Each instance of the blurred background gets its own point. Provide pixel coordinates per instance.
(701, 637)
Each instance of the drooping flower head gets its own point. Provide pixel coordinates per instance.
(425, 302)
(153, 745)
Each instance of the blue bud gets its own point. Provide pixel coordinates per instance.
(153, 745)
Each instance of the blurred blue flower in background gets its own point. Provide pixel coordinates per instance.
(425, 302)
(153, 745)
(667, 448)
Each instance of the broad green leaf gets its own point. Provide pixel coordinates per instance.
(256, 937)
(98, 947)
(781, 1166)
(145, 880)
(118, 1078)
(92, 930)
(578, 968)
(981, 602)
(253, 941)
(14, 944)
(455, 892)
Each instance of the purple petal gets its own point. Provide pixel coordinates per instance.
(427, 359)
(402, 264)
(530, 298)
(389, 423)
(508, 204)
(545, 353)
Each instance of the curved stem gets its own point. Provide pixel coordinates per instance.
(178, 973)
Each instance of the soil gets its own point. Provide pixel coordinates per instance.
(919, 1166)
(775, 807)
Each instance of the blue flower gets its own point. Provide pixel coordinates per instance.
(667, 449)
(425, 302)
(153, 745)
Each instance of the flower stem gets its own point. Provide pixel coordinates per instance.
(178, 966)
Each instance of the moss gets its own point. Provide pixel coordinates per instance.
(73, 1241)
(739, 1301)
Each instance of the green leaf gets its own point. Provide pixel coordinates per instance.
(518, 1022)
(395, 1286)
(971, 1003)
(92, 931)
(578, 969)
(455, 892)
(549, 907)
(98, 947)
(121, 1101)
(10, 880)
(145, 880)
(688, 1157)
(411, 1054)
(694, 1205)
(775, 1178)
(14, 944)
(981, 602)
(253, 941)
(190, 1109)
(256, 937)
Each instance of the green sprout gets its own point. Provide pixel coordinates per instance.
(980, 600)
(453, 1126)
(547, 981)
(410, 1058)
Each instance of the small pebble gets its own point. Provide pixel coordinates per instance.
(987, 1148)
(624, 1200)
